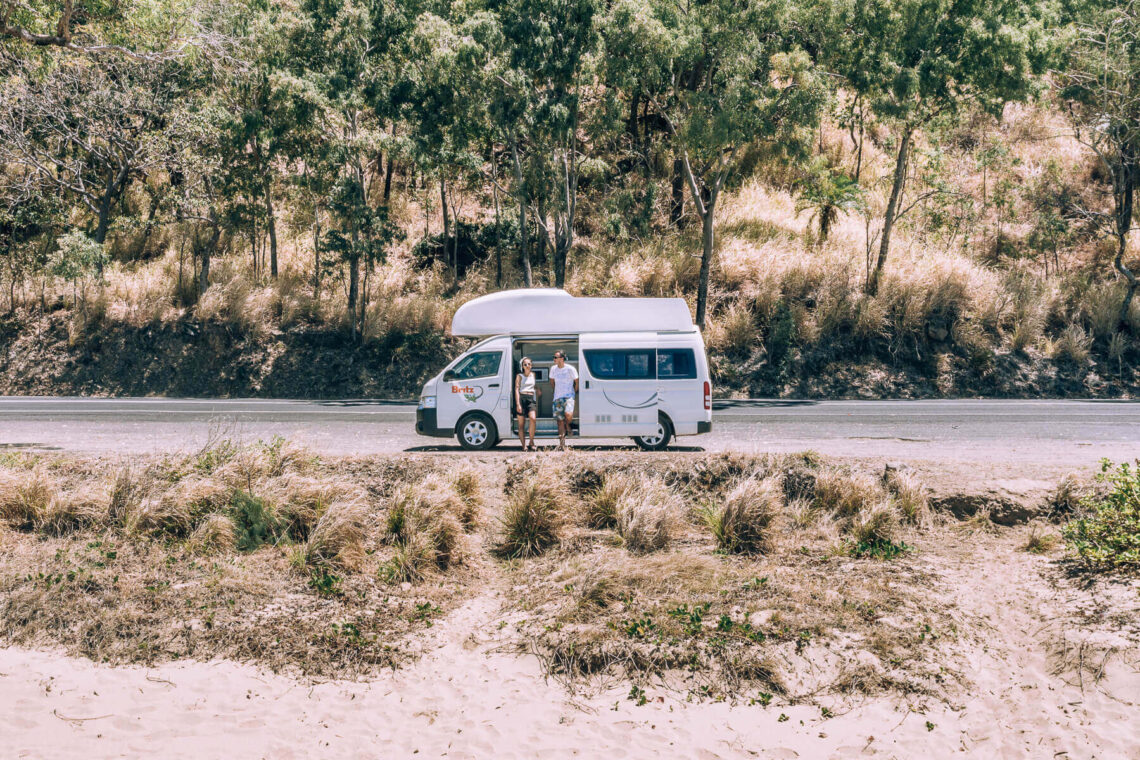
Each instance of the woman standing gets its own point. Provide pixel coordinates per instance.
(526, 402)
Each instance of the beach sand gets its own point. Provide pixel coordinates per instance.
(467, 698)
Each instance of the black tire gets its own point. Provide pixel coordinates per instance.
(658, 442)
(476, 432)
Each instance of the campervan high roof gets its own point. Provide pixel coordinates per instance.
(550, 311)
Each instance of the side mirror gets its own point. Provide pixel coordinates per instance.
(448, 376)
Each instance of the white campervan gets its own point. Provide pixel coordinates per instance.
(642, 370)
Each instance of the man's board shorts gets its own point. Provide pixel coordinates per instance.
(526, 401)
(563, 407)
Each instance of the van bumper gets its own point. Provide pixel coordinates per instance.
(704, 427)
(426, 424)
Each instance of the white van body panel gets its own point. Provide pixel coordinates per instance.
(682, 398)
(614, 408)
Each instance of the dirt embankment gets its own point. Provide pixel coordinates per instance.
(47, 356)
(43, 357)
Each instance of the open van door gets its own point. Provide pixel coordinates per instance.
(617, 384)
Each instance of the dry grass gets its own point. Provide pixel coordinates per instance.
(25, 496)
(214, 535)
(909, 497)
(1040, 541)
(533, 517)
(601, 503)
(743, 523)
(846, 494)
(646, 515)
(337, 540)
(198, 556)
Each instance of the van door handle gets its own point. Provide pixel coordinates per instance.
(493, 385)
(587, 385)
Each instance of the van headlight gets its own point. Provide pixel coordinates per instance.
(427, 402)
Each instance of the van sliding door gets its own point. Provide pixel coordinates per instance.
(617, 384)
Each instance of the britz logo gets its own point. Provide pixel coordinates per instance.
(471, 394)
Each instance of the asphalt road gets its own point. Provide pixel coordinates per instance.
(1055, 432)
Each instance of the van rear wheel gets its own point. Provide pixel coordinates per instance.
(659, 441)
(476, 432)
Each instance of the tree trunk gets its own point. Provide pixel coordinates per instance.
(707, 242)
(207, 253)
(449, 256)
(520, 192)
(1130, 175)
(498, 224)
(317, 254)
(677, 206)
(892, 210)
(388, 181)
(268, 191)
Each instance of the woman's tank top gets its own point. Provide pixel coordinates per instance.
(526, 383)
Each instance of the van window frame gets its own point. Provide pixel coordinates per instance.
(692, 358)
(498, 367)
(589, 356)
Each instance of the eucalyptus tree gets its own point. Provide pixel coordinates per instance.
(87, 130)
(347, 50)
(915, 62)
(268, 109)
(441, 106)
(1101, 82)
(721, 74)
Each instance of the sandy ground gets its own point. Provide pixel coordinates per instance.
(1052, 666)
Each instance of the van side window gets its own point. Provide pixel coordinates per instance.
(621, 364)
(479, 364)
(676, 364)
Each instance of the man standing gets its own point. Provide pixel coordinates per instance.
(564, 378)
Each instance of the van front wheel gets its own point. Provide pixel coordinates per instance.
(477, 432)
(659, 440)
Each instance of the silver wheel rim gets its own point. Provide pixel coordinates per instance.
(655, 440)
(475, 432)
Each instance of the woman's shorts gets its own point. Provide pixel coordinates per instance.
(528, 404)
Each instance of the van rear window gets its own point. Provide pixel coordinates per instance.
(676, 364)
(621, 364)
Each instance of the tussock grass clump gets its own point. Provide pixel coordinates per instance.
(301, 501)
(646, 513)
(468, 486)
(425, 526)
(846, 494)
(1039, 541)
(25, 496)
(127, 493)
(216, 534)
(159, 516)
(909, 496)
(337, 540)
(878, 524)
(1066, 499)
(743, 523)
(601, 503)
(533, 517)
(73, 510)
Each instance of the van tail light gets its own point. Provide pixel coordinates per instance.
(708, 395)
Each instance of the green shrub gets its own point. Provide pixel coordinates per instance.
(254, 523)
(1109, 535)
